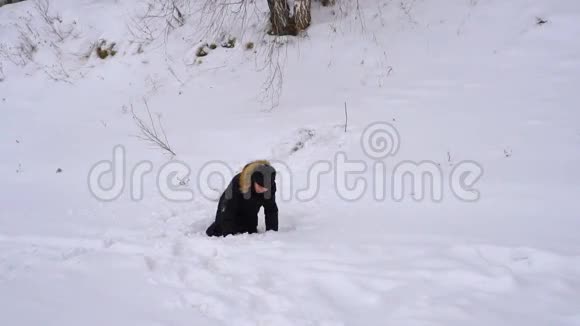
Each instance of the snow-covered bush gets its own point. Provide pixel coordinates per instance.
(105, 49)
(39, 29)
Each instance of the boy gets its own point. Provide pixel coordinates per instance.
(240, 203)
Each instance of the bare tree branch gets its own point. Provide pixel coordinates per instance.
(149, 133)
(53, 22)
(2, 75)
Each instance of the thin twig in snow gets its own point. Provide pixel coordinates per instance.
(345, 117)
(149, 133)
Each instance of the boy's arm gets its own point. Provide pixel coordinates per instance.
(271, 210)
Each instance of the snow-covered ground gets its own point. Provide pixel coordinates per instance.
(470, 80)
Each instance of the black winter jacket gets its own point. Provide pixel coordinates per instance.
(237, 211)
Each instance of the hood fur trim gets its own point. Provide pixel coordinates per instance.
(246, 174)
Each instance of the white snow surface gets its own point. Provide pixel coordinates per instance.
(476, 80)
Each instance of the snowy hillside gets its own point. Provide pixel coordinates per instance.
(482, 94)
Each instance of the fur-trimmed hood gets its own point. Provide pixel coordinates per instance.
(246, 174)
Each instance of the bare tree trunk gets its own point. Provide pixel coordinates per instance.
(327, 3)
(7, 2)
(279, 16)
(302, 16)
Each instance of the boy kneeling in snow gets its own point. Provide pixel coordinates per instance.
(240, 203)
